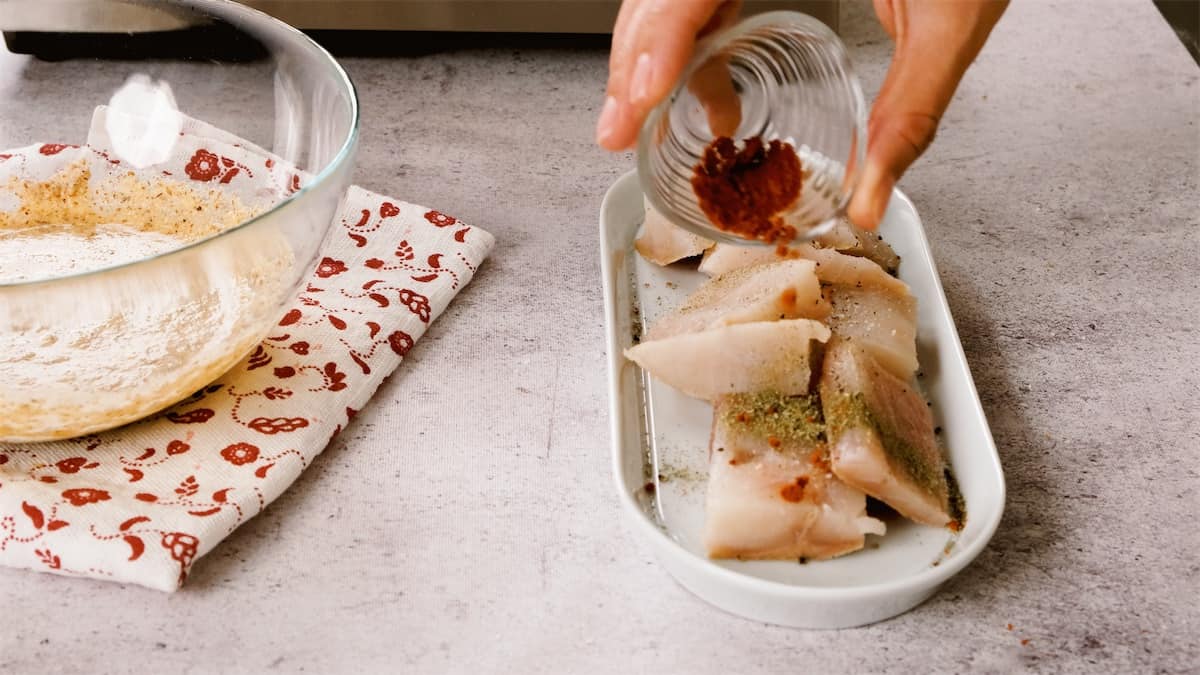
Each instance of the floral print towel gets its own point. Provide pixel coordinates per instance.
(141, 504)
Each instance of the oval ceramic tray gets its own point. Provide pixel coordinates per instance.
(660, 449)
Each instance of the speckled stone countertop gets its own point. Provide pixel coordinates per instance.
(1061, 200)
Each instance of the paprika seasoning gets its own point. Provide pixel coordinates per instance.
(744, 192)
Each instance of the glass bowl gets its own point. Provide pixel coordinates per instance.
(168, 172)
(779, 76)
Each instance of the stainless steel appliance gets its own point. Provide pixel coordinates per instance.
(517, 16)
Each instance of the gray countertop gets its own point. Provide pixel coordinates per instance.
(1061, 200)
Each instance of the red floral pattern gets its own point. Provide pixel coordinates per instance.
(277, 425)
(204, 166)
(197, 416)
(85, 496)
(74, 464)
(155, 496)
(440, 219)
(182, 547)
(54, 148)
(400, 342)
(240, 453)
(330, 267)
(418, 304)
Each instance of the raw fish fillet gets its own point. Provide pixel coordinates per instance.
(723, 258)
(743, 357)
(870, 306)
(881, 436)
(786, 289)
(832, 266)
(770, 491)
(882, 321)
(847, 238)
(847, 270)
(662, 242)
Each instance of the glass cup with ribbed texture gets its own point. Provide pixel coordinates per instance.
(778, 76)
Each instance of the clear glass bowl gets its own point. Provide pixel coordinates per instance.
(778, 75)
(147, 247)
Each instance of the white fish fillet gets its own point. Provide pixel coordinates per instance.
(723, 258)
(833, 267)
(881, 435)
(880, 320)
(847, 238)
(786, 289)
(770, 491)
(743, 357)
(868, 304)
(847, 270)
(663, 242)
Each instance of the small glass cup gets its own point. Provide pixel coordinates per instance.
(778, 75)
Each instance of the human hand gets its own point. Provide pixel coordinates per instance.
(936, 40)
(652, 42)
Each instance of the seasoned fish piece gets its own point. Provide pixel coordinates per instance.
(867, 303)
(787, 289)
(743, 357)
(870, 306)
(881, 436)
(723, 258)
(663, 242)
(832, 266)
(848, 238)
(882, 321)
(770, 490)
(847, 270)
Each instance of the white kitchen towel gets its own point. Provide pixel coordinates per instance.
(141, 503)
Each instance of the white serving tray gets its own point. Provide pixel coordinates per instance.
(660, 449)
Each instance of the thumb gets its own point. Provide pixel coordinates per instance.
(919, 85)
(897, 138)
(935, 43)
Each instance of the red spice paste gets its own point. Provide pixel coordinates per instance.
(794, 492)
(744, 191)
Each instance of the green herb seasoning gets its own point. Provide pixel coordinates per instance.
(845, 411)
(786, 420)
(958, 505)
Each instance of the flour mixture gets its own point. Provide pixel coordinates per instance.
(96, 351)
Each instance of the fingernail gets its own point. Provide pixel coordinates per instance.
(608, 119)
(643, 75)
